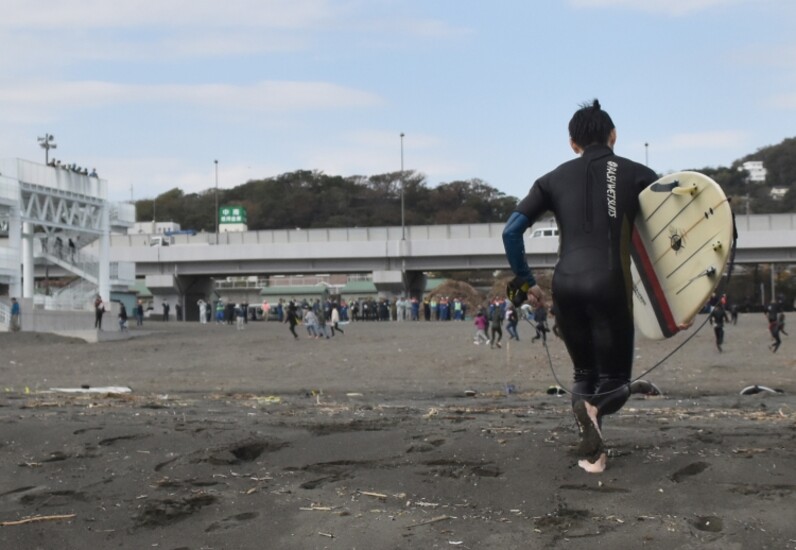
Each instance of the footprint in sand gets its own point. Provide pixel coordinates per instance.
(242, 452)
(690, 470)
(232, 522)
(159, 513)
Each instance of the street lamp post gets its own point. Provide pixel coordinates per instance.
(403, 185)
(216, 163)
(47, 142)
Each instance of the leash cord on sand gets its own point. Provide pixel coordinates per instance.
(726, 282)
(639, 377)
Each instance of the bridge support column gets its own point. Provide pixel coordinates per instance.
(415, 284)
(104, 271)
(15, 244)
(28, 275)
(391, 282)
(190, 290)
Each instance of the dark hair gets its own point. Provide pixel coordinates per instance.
(590, 124)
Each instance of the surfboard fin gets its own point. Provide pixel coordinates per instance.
(689, 190)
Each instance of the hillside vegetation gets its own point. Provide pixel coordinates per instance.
(313, 199)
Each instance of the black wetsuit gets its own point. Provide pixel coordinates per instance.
(595, 200)
(717, 318)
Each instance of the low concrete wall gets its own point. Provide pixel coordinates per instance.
(93, 336)
(39, 320)
(74, 324)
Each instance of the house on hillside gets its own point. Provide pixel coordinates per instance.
(756, 170)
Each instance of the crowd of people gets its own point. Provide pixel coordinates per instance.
(382, 309)
(74, 168)
(322, 319)
(502, 310)
(224, 313)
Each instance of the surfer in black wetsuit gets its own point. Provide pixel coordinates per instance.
(595, 200)
(718, 315)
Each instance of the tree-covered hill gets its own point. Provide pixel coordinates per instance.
(780, 163)
(313, 199)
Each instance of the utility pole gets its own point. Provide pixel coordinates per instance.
(47, 142)
(216, 163)
(403, 185)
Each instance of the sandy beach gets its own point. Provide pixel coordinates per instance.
(373, 440)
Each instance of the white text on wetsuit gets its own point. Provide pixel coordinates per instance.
(610, 177)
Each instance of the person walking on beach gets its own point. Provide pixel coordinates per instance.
(310, 322)
(511, 322)
(240, 317)
(15, 315)
(540, 318)
(773, 312)
(323, 331)
(122, 317)
(99, 310)
(481, 323)
(336, 319)
(202, 311)
(718, 316)
(496, 326)
(292, 319)
(595, 200)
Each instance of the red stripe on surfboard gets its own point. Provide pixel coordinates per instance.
(654, 291)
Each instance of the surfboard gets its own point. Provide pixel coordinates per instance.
(682, 240)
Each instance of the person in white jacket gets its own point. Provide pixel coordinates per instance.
(336, 320)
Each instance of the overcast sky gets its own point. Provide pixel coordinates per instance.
(151, 92)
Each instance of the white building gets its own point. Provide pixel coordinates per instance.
(756, 170)
(52, 216)
(153, 228)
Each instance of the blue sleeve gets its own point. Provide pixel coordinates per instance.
(514, 245)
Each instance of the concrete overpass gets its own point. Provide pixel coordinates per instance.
(396, 263)
(763, 238)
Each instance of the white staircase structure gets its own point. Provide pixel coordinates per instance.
(50, 215)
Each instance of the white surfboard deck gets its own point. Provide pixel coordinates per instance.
(682, 240)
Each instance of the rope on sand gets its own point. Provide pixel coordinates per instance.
(35, 519)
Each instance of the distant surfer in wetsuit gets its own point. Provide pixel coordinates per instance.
(718, 315)
(595, 200)
(775, 324)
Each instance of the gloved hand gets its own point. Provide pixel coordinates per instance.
(517, 291)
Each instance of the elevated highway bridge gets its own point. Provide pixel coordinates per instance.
(396, 263)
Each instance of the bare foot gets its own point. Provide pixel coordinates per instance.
(596, 467)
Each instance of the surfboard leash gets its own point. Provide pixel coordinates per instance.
(724, 284)
(639, 377)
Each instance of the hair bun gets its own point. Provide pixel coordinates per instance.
(596, 104)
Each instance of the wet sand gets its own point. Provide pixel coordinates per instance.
(249, 439)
